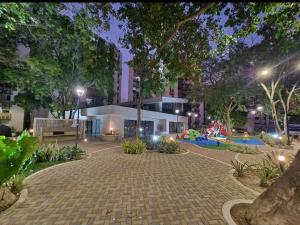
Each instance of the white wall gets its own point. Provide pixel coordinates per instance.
(17, 118)
(113, 116)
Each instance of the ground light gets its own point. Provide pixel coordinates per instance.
(155, 138)
(281, 158)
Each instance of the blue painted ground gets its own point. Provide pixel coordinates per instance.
(203, 143)
(249, 142)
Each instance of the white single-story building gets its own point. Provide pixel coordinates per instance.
(119, 119)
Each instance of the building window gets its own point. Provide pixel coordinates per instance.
(172, 127)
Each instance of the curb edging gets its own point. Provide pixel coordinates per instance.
(227, 208)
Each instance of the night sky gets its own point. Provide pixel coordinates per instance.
(115, 33)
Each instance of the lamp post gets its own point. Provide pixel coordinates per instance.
(189, 118)
(80, 92)
(177, 111)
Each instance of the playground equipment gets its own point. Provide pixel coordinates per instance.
(216, 129)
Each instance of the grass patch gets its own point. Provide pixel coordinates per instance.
(32, 168)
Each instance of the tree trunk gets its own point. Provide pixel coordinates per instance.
(228, 124)
(280, 203)
(275, 118)
(138, 121)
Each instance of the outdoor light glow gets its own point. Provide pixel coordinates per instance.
(195, 115)
(85, 140)
(281, 158)
(259, 108)
(275, 135)
(189, 113)
(265, 72)
(209, 117)
(171, 139)
(280, 138)
(141, 129)
(253, 112)
(80, 92)
(177, 111)
(233, 130)
(31, 130)
(155, 138)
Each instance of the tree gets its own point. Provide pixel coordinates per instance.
(168, 41)
(64, 52)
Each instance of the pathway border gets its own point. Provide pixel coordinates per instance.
(227, 208)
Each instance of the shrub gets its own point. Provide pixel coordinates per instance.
(133, 146)
(52, 152)
(15, 183)
(239, 168)
(267, 172)
(13, 153)
(267, 139)
(243, 149)
(170, 147)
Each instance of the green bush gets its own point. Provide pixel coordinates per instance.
(13, 154)
(52, 152)
(239, 168)
(170, 147)
(133, 146)
(267, 172)
(267, 139)
(15, 183)
(243, 149)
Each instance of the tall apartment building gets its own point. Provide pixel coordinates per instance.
(173, 98)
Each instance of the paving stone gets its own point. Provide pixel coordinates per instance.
(111, 187)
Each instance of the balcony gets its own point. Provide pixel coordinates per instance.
(5, 116)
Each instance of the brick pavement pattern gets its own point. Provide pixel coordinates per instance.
(113, 188)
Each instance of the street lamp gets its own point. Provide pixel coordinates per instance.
(189, 119)
(177, 112)
(196, 115)
(80, 92)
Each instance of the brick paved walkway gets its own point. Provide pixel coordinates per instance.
(114, 188)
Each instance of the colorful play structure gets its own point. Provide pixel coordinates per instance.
(215, 135)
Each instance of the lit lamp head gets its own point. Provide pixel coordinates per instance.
(31, 130)
(80, 92)
(171, 139)
(195, 115)
(253, 112)
(177, 111)
(209, 117)
(189, 113)
(85, 140)
(141, 129)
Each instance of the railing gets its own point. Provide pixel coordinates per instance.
(5, 116)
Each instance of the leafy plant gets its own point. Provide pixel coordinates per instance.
(13, 154)
(267, 139)
(168, 146)
(15, 183)
(239, 168)
(133, 146)
(243, 149)
(52, 152)
(267, 172)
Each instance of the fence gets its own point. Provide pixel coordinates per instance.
(57, 128)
